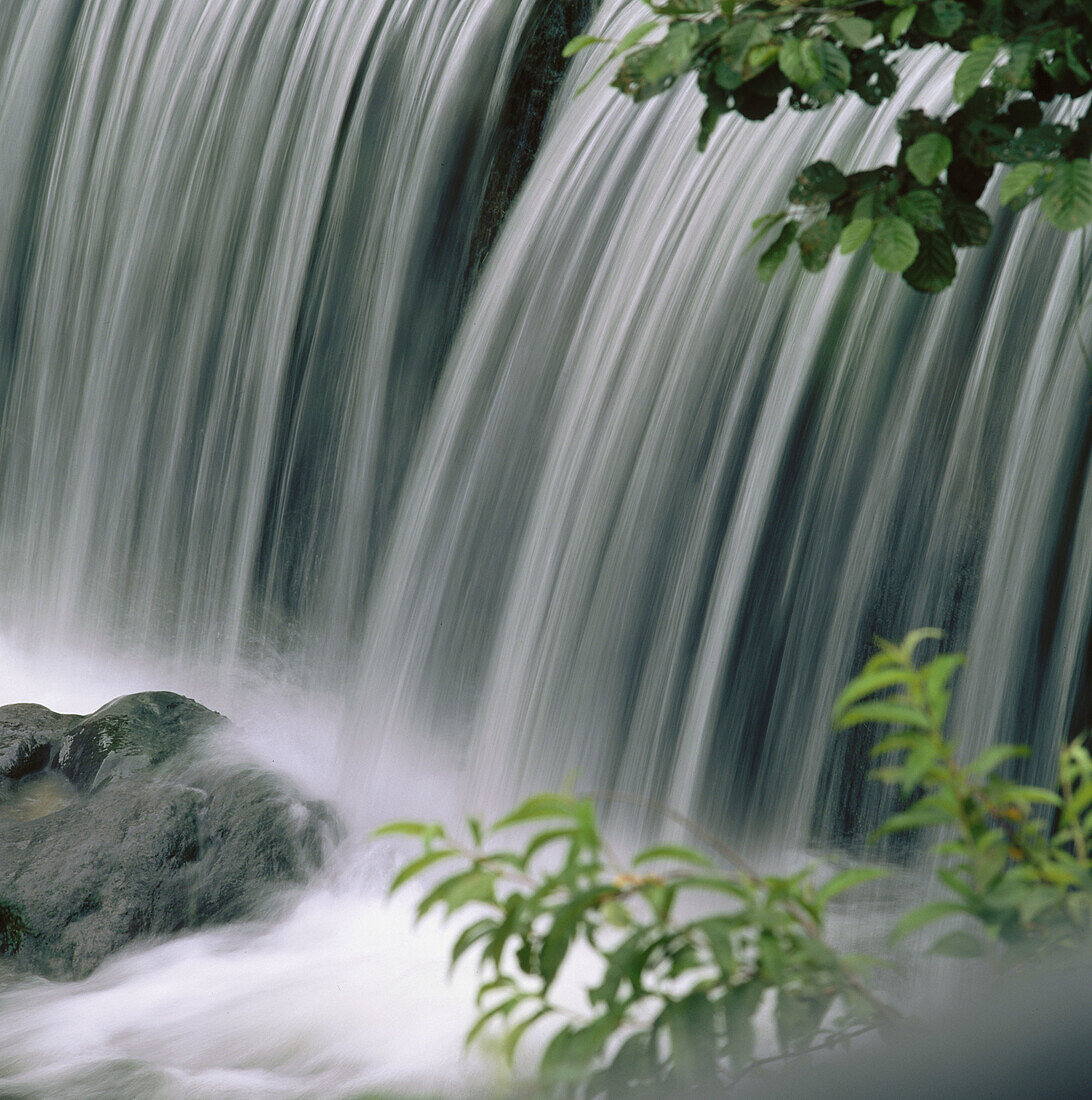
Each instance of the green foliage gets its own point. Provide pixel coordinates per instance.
(681, 979)
(1017, 60)
(12, 928)
(1014, 859)
(690, 952)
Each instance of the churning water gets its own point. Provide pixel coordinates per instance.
(627, 511)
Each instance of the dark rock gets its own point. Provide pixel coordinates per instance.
(535, 80)
(130, 733)
(97, 874)
(27, 732)
(253, 832)
(157, 842)
(147, 856)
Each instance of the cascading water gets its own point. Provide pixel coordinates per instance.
(645, 527)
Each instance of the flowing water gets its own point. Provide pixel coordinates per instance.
(625, 510)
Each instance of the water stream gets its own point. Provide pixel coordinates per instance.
(624, 510)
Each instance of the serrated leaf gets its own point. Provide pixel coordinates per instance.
(968, 225)
(1067, 201)
(855, 234)
(928, 157)
(972, 71)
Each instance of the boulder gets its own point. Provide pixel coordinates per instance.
(160, 841)
(27, 734)
(147, 729)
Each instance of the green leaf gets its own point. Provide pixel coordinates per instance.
(511, 1040)
(853, 31)
(763, 225)
(972, 71)
(994, 757)
(928, 157)
(673, 852)
(882, 713)
(799, 61)
(848, 880)
(459, 890)
(572, 1050)
(817, 184)
(580, 42)
(855, 234)
(923, 915)
(959, 945)
(922, 210)
(901, 23)
(548, 805)
(935, 267)
(1067, 201)
(689, 1022)
(410, 870)
(917, 817)
(837, 71)
(869, 683)
(1037, 143)
(774, 256)
(470, 936)
(1019, 178)
(502, 1008)
(941, 19)
(628, 41)
(818, 241)
(968, 225)
(408, 828)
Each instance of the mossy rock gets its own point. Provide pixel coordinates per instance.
(130, 733)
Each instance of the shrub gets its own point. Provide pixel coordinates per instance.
(680, 981)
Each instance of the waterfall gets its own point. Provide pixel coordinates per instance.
(654, 512)
(603, 502)
(659, 511)
(233, 240)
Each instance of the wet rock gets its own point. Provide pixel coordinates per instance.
(27, 733)
(131, 733)
(158, 842)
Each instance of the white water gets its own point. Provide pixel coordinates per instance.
(652, 517)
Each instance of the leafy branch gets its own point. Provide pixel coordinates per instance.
(1022, 61)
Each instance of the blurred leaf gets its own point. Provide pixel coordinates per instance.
(848, 880)
(673, 852)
